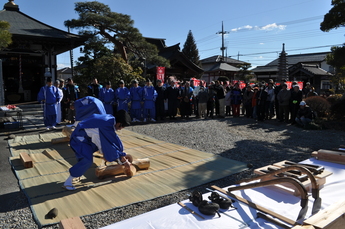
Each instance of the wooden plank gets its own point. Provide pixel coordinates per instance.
(303, 227)
(256, 206)
(26, 160)
(60, 140)
(330, 156)
(332, 217)
(71, 223)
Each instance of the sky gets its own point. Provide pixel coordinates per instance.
(254, 30)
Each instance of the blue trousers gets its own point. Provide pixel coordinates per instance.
(152, 112)
(85, 159)
(136, 113)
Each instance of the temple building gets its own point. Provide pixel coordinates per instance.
(180, 67)
(31, 58)
(217, 66)
(309, 67)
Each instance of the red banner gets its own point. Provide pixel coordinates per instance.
(160, 73)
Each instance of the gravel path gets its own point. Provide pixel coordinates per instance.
(241, 139)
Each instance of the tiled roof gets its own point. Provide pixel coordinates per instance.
(315, 70)
(222, 67)
(217, 58)
(24, 25)
(302, 58)
(265, 69)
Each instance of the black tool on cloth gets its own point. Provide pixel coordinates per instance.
(204, 206)
(272, 220)
(222, 202)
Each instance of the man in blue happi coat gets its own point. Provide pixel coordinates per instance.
(49, 96)
(149, 97)
(97, 132)
(107, 96)
(136, 99)
(87, 106)
(122, 96)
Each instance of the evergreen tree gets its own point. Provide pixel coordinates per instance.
(335, 18)
(336, 59)
(244, 74)
(5, 35)
(97, 18)
(190, 49)
(100, 62)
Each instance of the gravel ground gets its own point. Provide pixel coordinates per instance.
(241, 139)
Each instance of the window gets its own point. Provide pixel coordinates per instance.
(326, 84)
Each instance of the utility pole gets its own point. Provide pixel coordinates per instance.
(223, 47)
(71, 57)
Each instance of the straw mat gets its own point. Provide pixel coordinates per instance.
(173, 168)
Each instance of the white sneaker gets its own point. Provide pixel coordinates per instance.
(152, 120)
(144, 119)
(48, 128)
(53, 127)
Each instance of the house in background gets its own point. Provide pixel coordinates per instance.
(64, 73)
(181, 66)
(31, 58)
(216, 66)
(310, 67)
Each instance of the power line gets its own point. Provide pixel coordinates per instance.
(315, 47)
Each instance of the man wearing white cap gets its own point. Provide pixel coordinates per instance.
(304, 114)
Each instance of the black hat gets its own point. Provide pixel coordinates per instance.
(108, 83)
(123, 117)
(49, 79)
(148, 81)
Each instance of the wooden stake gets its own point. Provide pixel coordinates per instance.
(190, 210)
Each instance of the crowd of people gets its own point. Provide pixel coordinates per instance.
(148, 103)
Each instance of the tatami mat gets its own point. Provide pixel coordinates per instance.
(173, 168)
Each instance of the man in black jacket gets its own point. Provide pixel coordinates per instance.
(304, 114)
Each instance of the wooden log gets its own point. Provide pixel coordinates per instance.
(330, 156)
(26, 160)
(71, 223)
(60, 140)
(113, 170)
(332, 217)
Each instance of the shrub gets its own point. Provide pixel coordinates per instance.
(332, 99)
(337, 110)
(319, 105)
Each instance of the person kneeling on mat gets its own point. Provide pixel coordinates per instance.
(97, 132)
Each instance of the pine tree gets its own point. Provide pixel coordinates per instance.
(190, 49)
(97, 18)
